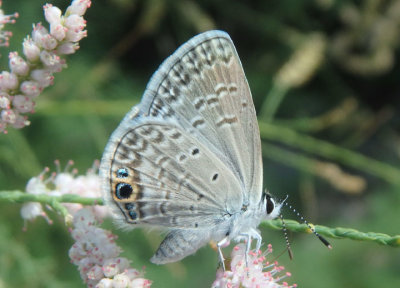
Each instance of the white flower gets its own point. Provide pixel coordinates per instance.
(78, 7)
(258, 273)
(23, 103)
(17, 64)
(30, 49)
(4, 100)
(8, 81)
(52, 14)
(60, 183)
(97, 256)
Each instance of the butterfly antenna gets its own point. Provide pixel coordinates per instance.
(323, 240)
(286, 237)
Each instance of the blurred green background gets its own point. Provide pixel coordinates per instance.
(331, 69)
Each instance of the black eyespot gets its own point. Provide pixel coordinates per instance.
(122, 173)
(215, 177)
(123, 191)
(129, 206)
(270, 204)
(195, 151)
(133, 215)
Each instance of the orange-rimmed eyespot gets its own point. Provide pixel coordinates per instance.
(123, 191)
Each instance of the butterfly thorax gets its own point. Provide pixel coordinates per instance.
(242, 221)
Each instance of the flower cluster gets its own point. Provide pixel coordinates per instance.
(258, 273)
(43, 56)
(97, 256)
(66, 182)
(5, 19)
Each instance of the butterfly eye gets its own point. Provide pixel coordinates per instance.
(123, 191)
(270, 203)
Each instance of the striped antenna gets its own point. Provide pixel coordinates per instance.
(286, 238)
(323, 240)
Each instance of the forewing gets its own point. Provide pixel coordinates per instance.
(159, 175)
(203, 89)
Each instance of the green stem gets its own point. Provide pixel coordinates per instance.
(330, 151)
(21, 197)
(56, 203)
(338, 233)
(83, 107)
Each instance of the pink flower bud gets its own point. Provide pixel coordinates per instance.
(23, 103)
(51, 60)
(58, 31)
(4, 100)
(49, 42)
(8, 81)
(52, 14)
(78, 7)
(17, 64)
(95, 273)
(38, 33)
(8, 116)
(30, 88)
(21, 122)
(121, 281)
(140, 283)
(67, 48)
(75, 22)
(31, 210)
(75, 35)
(105, 283)
(31, 50)
(43, 77)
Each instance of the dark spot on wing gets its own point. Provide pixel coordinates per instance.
(123, 190)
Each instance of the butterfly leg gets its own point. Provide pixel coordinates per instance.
(253, 233)
(223, 243)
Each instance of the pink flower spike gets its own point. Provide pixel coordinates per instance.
(43, 52)
(96, 255)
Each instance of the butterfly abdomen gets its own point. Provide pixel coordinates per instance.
(178, 244)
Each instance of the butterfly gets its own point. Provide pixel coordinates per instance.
(187, 158)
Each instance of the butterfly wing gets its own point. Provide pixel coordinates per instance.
(161, 176)
(189, 154)
(203, 89)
